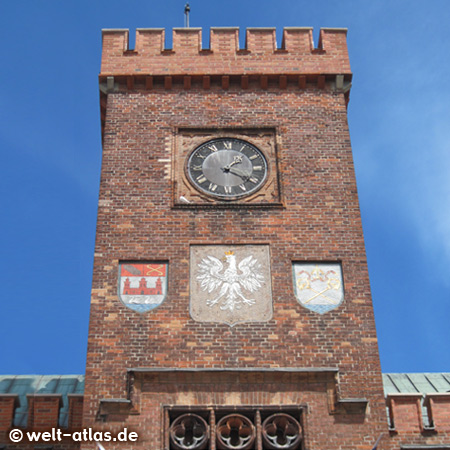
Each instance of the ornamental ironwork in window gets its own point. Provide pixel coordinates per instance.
(236, 428)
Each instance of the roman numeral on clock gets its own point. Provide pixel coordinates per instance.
(227, 168)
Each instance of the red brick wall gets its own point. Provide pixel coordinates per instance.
(319, 220)
(8, 403)
(408, 426)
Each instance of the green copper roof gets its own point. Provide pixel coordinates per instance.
(425, 383)
(41, 384)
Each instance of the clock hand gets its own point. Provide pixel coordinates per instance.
(237, 159)
(240, 173)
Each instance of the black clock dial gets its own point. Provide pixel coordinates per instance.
(227, 168)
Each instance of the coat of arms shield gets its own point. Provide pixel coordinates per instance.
(142, 286)
(318, 286)
(230, 284)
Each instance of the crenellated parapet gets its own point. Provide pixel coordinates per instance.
(419, 421)
(43, 411)
(296, 65)
(261, 56)
(40, 403)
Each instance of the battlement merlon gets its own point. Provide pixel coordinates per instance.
(297, 55)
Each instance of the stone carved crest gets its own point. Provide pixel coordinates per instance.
(318, 286)
(230, 284)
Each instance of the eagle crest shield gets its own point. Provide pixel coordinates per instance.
(230, 284)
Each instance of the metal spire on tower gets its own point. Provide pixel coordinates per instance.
(187, 9)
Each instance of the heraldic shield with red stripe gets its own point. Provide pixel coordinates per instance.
(142, 286)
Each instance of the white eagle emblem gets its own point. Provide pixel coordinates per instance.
(246, 275)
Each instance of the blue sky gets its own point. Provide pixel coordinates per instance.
(51, 152)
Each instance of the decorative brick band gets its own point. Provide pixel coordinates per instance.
(297, 54)
(404, 409)
(144, 379)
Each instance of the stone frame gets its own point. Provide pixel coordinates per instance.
(260, 311)
(187, 140)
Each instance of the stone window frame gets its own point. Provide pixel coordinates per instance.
(213, 413)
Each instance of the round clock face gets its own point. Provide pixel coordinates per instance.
(227, 168)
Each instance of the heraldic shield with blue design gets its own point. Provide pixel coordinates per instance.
(318, 286)
(142, 286)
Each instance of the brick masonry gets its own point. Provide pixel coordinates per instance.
(140, 364)
(316, 218)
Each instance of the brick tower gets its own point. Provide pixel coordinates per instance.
(228, 176)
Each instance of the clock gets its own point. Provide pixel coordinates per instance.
(227, 168)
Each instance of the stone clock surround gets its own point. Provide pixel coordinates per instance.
(188, 139)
